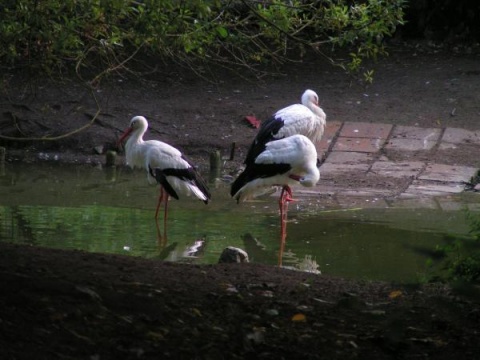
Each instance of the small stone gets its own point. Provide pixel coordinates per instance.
(99, 149)
(233, 255)
(375, 312)
(272, 312)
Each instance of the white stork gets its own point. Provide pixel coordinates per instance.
(288, 161)
(164, 164)
(306, 119)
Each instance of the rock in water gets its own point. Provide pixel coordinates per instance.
(233, 255)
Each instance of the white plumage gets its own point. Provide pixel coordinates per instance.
(284, 162)
(283, 153)
(288, 161)
(164, 164)
(167, 157)
(306, 119)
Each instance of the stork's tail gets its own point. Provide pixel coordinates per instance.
(189, 176)
(158, 175)
(239, 183)
(200, 188)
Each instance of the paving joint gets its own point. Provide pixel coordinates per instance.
(363, 151)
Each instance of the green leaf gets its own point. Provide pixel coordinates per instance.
(222, 32)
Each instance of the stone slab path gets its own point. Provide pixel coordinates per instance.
(383, 162)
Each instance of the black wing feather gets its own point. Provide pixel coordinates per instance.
(258, 171)
(161, 178)
(266, 133)
(186, 174)
(198, 180)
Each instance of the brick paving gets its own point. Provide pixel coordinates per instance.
(389, 163)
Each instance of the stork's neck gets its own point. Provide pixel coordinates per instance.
(136, 138)
(133, 149)
(320, 113)
(317, 110)
(311, 177)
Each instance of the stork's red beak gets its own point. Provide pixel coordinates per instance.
(124, 136)
(295, 177)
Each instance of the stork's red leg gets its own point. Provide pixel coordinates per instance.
(283, 227)
(160, 238)
(281, 205)
(163, 197)
(280, 253)
(165, 216)
(283, 219)
(285, 198)
(160, 199)
(287, 193)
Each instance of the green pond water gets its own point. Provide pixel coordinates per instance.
(111, 211)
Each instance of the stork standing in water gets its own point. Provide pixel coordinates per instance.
(306, 119)
(164, 164)
(288, 161)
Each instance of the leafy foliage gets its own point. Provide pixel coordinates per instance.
(461, 256)
(57, 35)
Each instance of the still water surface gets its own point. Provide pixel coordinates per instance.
(111, 211)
